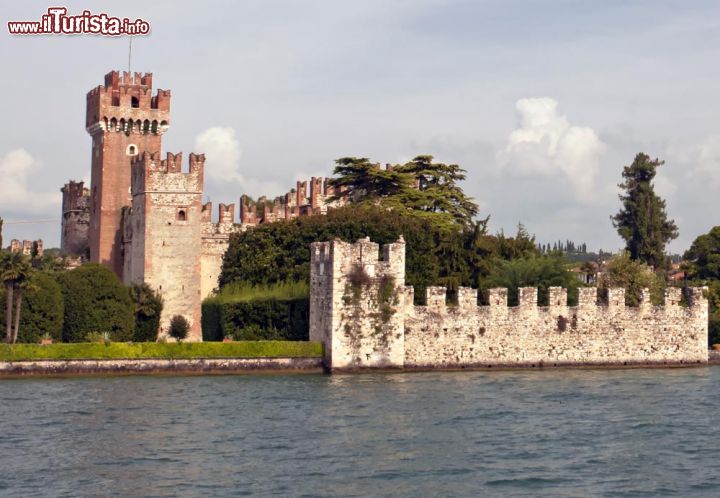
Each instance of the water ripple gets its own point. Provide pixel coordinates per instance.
(620, 433)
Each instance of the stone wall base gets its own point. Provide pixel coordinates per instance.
(159, 366)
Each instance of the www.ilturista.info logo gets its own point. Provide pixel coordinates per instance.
(57, 21)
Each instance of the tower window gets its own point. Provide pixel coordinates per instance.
(132, 150)
(182, 215)
(134, 102)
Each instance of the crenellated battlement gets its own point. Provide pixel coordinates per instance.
(308, 198)
(126, 104)
(437, 301)
(152, 173)
(362, 311)
(76, 197)
(31, 248)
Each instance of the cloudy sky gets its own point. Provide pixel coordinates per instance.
(542, 102)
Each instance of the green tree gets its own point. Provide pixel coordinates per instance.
(437, 190)
(419, 188)
(278, 252)
(96, 301)
(359, 180)
(703, 268)
(704, 256)
(42, 309)
(633, 276)
(15, 272)
(148, 307)
(642, 222)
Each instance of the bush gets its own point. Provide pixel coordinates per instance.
(148, 308)
(95, 299)
(179, 327)
(633, 276)
(248, 349)
(42, 309)
(258, 319)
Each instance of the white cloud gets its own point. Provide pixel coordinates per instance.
(706, 157)
(700, 160)
(222, 153)
(16, 170)
(222, 162)
(546, 144)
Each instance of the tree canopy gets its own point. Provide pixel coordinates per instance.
(420, 188)
(642, 221)
(703, 268)
(277, 252)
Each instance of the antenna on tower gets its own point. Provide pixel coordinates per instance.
(130, 55)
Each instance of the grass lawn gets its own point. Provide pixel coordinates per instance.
(122, 350)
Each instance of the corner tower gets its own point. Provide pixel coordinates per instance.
(124, 120)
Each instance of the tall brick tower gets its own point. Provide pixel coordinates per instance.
(124, 120)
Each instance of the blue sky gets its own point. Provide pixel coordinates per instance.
(542, 102)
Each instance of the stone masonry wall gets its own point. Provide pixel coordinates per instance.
(465, 335)
(364, 326)
(164, 227)
(215, 241)
(356, 303)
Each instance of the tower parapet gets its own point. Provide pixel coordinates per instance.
(126, 104)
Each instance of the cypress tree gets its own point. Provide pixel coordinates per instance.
(642, 222)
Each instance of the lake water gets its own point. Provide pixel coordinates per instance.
(502, 433)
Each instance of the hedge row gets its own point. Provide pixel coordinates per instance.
(260, 319)
(116, 350)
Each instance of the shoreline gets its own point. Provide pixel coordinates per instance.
(300, 365)
(159, 366)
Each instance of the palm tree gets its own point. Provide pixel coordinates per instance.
(145, 299)
(15, 272)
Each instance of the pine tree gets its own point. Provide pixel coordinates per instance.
(642, 222)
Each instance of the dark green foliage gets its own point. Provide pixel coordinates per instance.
(421, 189)
(42, 309)
(363, 181)
(704, 256)
(148, 307)
(258, 319)
(540, 272)
(246, 349)
(179, 327)
(642, 222)
(704, 269)
(437, 190)
(15, 274)
(96, 301)
(279, 252)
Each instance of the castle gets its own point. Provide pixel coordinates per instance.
(143, 215)
(365, 316)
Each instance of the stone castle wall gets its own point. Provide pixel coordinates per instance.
(365, 324)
